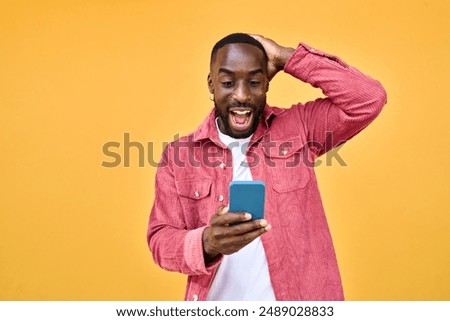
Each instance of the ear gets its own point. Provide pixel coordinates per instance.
(210, 84)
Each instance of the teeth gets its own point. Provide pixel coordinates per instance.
(241, 112)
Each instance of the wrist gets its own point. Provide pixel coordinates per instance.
(209, 258)
(283, 57)
(208, 254)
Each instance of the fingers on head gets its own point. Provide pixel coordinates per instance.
(256, 36)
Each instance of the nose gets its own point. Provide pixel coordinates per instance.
(241, 93)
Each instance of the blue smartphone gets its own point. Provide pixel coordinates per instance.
(248, 196)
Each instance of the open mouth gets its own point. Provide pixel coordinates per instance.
(240, 119)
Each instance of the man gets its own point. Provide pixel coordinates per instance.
(289, 254)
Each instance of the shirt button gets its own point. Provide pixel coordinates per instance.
(220, 198)
(195, 297)
(284, 151)
(197, 193)
(222, 165)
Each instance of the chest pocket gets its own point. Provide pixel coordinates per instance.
(288, 164)
(195, 198)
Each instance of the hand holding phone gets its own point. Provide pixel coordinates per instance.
(223, 235)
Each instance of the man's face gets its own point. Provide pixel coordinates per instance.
(238, 80)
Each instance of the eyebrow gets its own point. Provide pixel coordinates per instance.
(251, 72)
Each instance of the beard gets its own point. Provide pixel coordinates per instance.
(224, 118)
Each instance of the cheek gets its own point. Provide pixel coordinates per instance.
(260, 91)
(221, 104)
(222, 97)
(260, 96)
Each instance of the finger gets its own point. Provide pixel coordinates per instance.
(257, 37)
(233, 244)
(222, 210)
(247, 227)
(223, 232)
(230, 218)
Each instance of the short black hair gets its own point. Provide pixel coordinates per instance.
(237, 38)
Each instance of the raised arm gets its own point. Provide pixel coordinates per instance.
(353, 100)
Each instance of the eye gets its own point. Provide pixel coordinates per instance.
(227, 84)
(255, 83)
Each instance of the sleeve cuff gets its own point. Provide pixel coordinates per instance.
(305, 59)
(292, 66)
(193, 253)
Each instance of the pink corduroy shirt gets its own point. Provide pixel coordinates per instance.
(195, 171)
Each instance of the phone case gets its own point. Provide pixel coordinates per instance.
(248, 196)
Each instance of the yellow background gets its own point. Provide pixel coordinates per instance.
(77, 74)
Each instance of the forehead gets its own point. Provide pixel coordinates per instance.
(238, 56)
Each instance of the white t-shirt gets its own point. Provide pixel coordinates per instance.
(244, 275)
